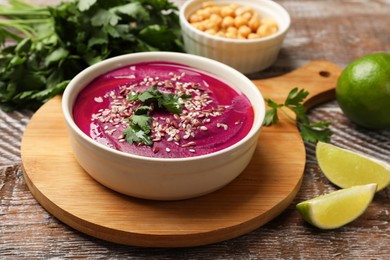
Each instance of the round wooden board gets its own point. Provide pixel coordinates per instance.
(260, 193)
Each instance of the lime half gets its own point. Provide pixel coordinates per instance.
(338, 208)
(346, 168)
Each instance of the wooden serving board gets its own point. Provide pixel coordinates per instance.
(259, 194)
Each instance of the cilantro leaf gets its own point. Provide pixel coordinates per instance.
(150, 95)
(142, 121)
(139, 130)
(142, 110)
(310, 132)
(316, 132)
(103, 17)
(135, 134)
(84, 5)
(271, 115)
(171, 103)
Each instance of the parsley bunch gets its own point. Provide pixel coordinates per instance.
(42, 48)
(311, 132)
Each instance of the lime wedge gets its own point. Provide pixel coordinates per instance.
(338, 208)
(346, 168)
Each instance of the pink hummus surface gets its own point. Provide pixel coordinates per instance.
(215, 117)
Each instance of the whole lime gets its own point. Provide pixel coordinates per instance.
(363, 91)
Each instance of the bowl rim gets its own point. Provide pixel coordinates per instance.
(126, 59)
(279, 33)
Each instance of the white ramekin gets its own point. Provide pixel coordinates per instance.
(247, 56)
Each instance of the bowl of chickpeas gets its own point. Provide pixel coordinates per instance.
(244, 34)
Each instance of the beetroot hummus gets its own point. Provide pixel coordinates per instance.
(212, 114)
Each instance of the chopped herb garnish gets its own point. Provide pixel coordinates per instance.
(310, 132)
(163, 100)
(139, 124)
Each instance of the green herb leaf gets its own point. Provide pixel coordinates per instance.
(143, 110)
(271, 115)
(310, 132)
(171, 103)
(142, 121)
(316, 132)
(84, 5)
(135, 134)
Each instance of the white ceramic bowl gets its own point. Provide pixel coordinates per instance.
(163, 178)
(247, 56)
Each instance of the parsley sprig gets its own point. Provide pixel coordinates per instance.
(140, 122)
(310, 132)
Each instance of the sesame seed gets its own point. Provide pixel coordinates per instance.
(98, 99)
(192, 143)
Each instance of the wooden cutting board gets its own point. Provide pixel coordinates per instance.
(259, 194)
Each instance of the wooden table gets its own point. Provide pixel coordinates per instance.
(337, 31)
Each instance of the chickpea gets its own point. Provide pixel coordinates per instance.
(216, 19)
(227, 21)
(231, 35)
(227, 11)
(220, 34)
(232, 30)
(211, 31)
(247, 16)
(244, 31)
(209, 24)
(254, 22)
(199, 25)
(266, 30)
(239, 21)
(195, 18)
(243, 9)
(252, 36)
(216, 10)
(205, 13)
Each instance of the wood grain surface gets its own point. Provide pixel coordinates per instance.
(338, 31)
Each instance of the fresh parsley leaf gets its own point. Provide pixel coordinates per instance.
(310, 132)
(142, 110)
(171, 103)
(142, 121)
(135, 134)
(150, 95)
(271, 115)
(84, 5)
(316, 132)
(139, 129)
